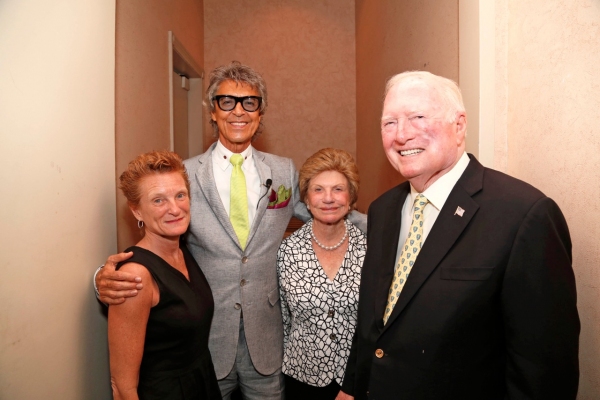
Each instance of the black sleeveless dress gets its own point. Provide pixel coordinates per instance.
(176, 363)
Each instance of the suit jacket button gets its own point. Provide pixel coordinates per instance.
(379, 353)
(237, 306)
(242, 282)
(244, 260)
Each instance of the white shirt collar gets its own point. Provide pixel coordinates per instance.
(221, 156)
(438, 192)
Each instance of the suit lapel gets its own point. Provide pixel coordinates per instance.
(264, 173)
(206, 181)
(390, 233)
(444, 233)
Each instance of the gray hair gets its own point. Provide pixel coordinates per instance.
(446, 88)
(240, 74)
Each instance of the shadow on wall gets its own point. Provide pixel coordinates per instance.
(94, 347)
(129, 229)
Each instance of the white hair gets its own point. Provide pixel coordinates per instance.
(446, 88)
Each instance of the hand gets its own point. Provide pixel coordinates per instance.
(343, 396)
(115, 286)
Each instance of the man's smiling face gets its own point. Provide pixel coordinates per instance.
(421, 140)
(236, 127)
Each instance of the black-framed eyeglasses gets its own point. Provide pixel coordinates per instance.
(228, 103)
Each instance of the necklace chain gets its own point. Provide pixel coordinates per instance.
(335, 246)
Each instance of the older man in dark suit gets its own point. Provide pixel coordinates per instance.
(467, 287)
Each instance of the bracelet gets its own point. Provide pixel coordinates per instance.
(96, 287)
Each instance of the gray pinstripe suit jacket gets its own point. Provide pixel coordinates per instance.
(242, 277)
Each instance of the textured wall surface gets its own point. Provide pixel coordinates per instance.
(142, 82)
(554, 137)
(501, 87)
(57, 208)
(305, 51)
(392, 37)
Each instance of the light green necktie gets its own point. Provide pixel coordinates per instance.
(410, 251)
(238, 203)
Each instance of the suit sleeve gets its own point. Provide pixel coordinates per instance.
(359, 220)
(285, 311)
(300, 210)
(539, 307)
(350, 373)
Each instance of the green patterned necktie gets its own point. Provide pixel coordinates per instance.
(410, 251)
(238, 203)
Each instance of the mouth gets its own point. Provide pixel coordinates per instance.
(330, 209)
(238, 124)
(174, 221)
(411, 152)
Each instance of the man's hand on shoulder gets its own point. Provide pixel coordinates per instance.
(115, 286)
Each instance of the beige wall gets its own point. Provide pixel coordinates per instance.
(392, 37)
(57, 205)
(305, 52)
(553, 120)
(142, 81)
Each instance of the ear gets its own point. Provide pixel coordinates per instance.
(136, 213)
(213, 116)
(461, 127)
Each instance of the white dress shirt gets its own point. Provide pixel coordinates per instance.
(437, 194)
(222, 171)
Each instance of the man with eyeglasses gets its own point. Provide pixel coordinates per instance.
(467, 290)
(239, 216)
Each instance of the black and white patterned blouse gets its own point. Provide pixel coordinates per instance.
(319, 315)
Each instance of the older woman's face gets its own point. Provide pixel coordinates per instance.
(164, 204)
(328, 197)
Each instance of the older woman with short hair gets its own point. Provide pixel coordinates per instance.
(158, 340)
(319, 276)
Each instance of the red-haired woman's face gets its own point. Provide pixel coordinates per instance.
(164, 205)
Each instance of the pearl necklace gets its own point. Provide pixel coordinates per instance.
(329, 248)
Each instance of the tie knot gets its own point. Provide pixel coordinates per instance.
(236, 160)
(420, 202)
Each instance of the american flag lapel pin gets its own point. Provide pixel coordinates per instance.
(459, 211)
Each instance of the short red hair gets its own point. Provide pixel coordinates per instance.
(154, 162)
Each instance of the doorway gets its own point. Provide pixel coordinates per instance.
(185, 84)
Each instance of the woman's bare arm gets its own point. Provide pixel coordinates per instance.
(126, 334)
(343, 396)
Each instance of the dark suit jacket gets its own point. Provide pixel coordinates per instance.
(489, 309)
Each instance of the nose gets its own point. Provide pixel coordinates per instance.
(238, 110)
(404, 131)
(327, 196)
(174, 208)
